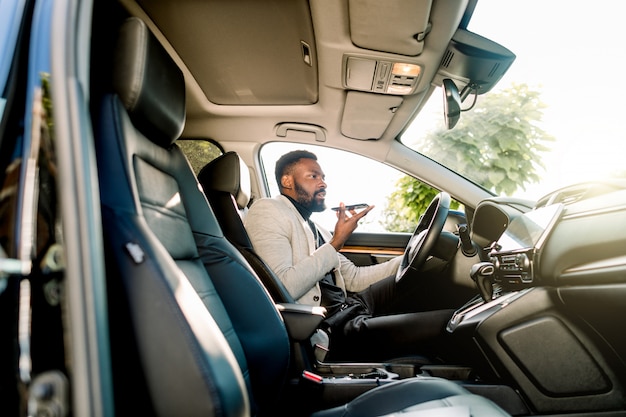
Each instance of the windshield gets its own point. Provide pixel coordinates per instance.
(555, 118)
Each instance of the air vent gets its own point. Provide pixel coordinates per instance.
(578, 192)
(447, 58)
(494, 71)
(567, 196)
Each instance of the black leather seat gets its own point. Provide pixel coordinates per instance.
(186, 341)
(226, 183)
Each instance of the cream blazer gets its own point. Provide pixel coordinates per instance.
(284, 240)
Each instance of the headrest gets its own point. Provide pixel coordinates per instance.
(227, 173)
(149, 84)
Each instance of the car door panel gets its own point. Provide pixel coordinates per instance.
(375, 248)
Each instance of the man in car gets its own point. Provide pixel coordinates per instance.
(307, 260)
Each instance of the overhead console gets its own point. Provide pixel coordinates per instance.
(395, 27)
(380, 75)
(392, 44)
(404, 47)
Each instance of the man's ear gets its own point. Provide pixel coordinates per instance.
(286, 181)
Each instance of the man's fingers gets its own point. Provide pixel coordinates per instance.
(342, 213)
(362, 213)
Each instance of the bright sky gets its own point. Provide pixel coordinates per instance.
(572, 51)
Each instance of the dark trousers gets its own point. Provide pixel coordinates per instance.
(392, 325)
(388, 297)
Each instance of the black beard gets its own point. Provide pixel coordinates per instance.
(309, 201)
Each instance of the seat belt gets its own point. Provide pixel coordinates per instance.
(320, 339)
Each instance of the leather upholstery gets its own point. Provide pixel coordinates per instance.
(149, 190)
(431, 396)
(150, 85)
(228, 173)
(226, 183)
(202, 335)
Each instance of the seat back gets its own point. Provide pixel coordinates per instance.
(178, 327)
(226, 183)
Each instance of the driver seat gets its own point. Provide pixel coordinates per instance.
(226, 184)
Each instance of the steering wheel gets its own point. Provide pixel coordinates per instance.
(425, 235)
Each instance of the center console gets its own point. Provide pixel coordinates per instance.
(315, 382)
(511, 266)
(517, 251)
(520, 336)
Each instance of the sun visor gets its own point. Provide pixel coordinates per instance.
(396, 26)
(366, 116)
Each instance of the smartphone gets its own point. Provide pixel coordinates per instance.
(353, 207)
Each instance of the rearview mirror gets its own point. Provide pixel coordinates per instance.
(451, 103)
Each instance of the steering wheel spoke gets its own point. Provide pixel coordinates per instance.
(425, 235)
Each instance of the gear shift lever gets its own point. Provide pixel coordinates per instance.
(482, 274)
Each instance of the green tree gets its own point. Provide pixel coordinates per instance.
(407, 203)
(199, 152)
(498, 144)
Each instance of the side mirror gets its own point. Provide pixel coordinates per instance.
(451, 103)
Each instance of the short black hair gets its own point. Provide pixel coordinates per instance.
(285, 163)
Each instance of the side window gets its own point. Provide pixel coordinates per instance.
(350, 179)
(199, 152)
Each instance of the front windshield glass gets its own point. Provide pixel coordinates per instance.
(555, 117)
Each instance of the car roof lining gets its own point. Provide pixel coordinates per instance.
(270, 85)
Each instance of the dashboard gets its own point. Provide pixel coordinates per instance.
(553, 330)
(517, 251)
(573, 235)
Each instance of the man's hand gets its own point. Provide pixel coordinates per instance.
(347, 222)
